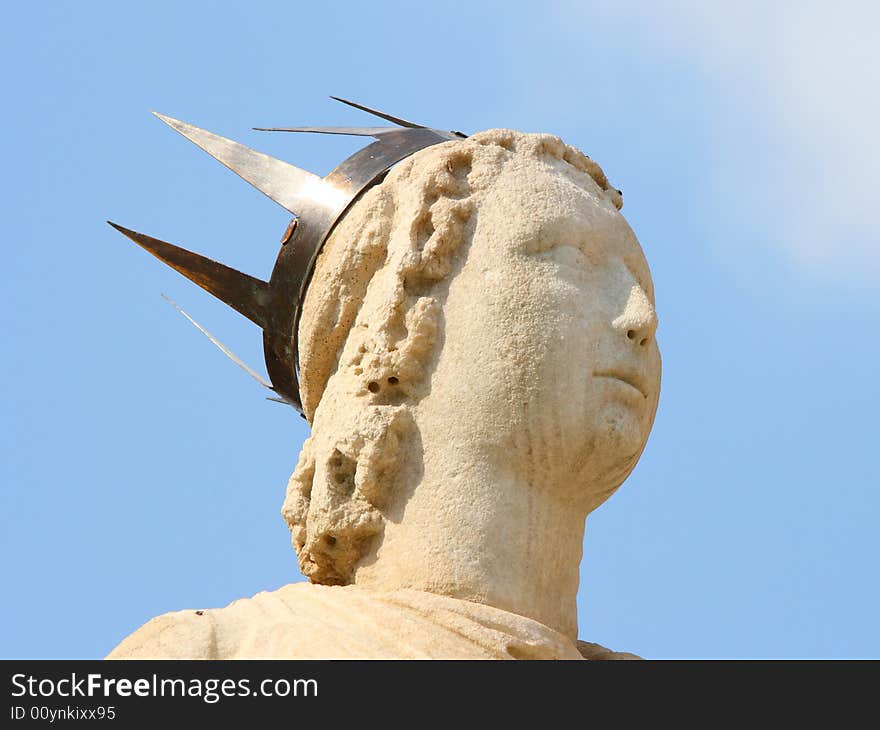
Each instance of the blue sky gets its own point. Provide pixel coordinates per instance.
(144, 473)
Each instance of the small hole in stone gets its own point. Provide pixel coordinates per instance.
(644, 341)
(362, 349)
(373, 386)
(358, 371)
(329, 539)
(393, 381)
(631, 334)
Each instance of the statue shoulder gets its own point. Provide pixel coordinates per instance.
(176, 635)
(247, 627)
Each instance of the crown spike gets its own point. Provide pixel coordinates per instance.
(381, 115)
(376, 132)
(245, 294)
(291, 187)
(278, 398)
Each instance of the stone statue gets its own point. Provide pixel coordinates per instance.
(479, 366)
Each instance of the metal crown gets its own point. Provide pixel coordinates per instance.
(317, 204)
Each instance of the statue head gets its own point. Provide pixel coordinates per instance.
(486, 304)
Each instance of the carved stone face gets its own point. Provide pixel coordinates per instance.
(479, 339)
(549, 360)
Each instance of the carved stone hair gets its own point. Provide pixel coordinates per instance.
(369, 330)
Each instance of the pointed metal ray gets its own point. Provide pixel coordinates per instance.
(225, 350)
(355, 131)
(245, 294)
(381, 115)
(291, 187)
(229, 353)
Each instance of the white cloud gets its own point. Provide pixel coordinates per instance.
(810, 74)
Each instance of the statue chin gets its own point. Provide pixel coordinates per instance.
(620, 448)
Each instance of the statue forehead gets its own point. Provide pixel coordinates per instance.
(542, 203)
(546, 188)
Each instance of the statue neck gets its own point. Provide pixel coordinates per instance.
(462, 525)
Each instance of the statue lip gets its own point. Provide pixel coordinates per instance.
(630, 377)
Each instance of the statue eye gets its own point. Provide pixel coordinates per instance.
(566, 254)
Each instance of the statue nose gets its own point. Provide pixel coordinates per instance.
(638, 321)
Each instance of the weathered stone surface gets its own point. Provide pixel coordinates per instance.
(480, 370)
